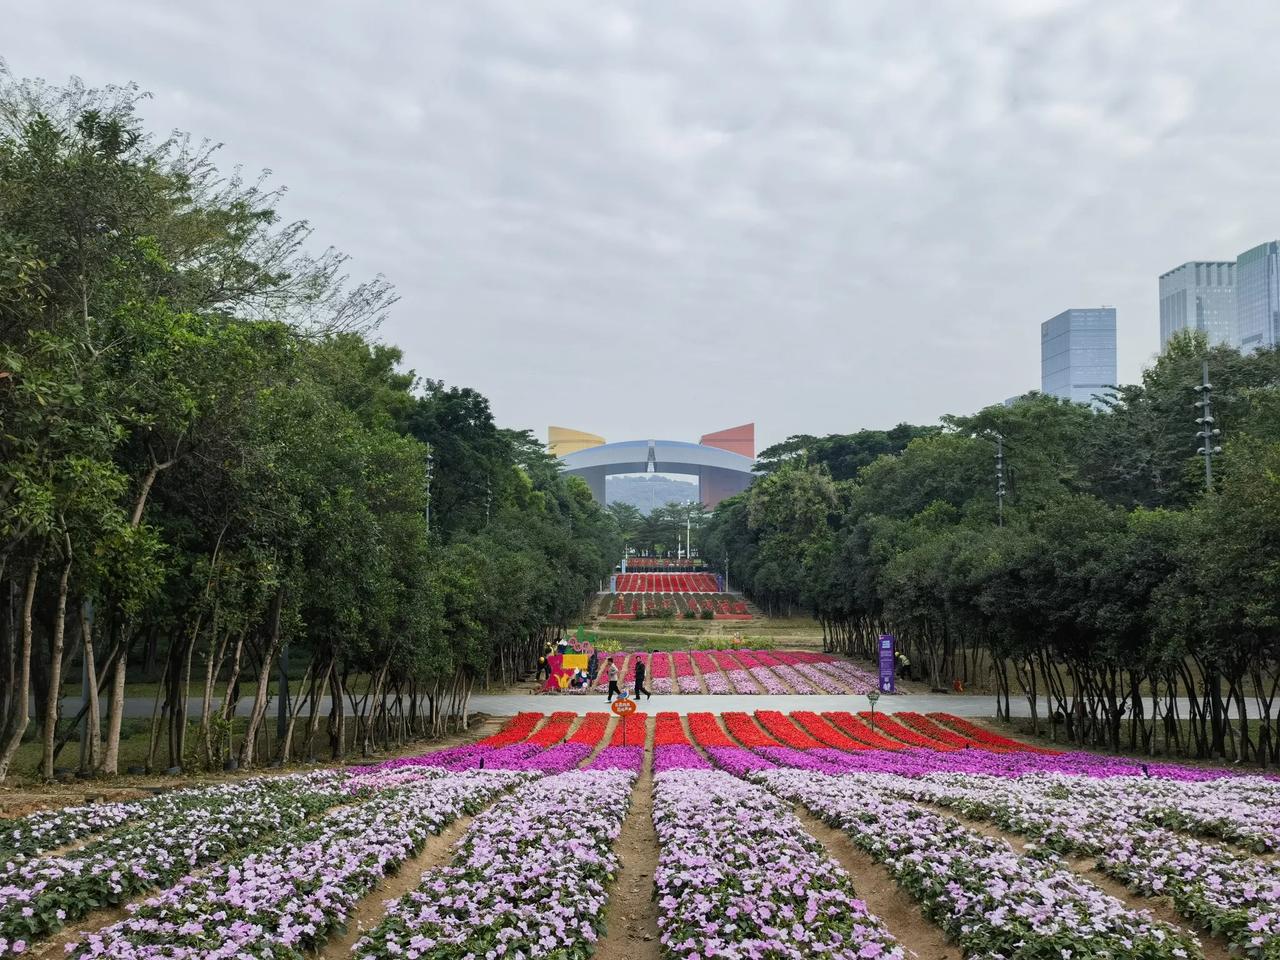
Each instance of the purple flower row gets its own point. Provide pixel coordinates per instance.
(744, 681)
(824, 681)
(619, 758)
(991, 900)
(768, 889)
(678, 757)
(917, 762)
(794, 679)
(287, 899)
(529, 878)
(738, 761)
(855, 679)
(688, 684)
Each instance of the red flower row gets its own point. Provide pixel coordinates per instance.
(986, 738)
(893, 728)
(632, 728)
(743, 729)
(787, 733)
(515, 730)
(825, 731)
(707, 732)
(848, 723)
(557, 729)
(591, 732)
(668, 731)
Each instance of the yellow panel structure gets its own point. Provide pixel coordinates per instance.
(562, 441)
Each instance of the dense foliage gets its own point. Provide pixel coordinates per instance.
(209, 470)
(1117, 587)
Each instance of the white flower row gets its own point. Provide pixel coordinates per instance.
(528, 880)
(288, 899)
(1237, 896)
(181, 831)
(738, 876)
(991, 900)
(36, 833)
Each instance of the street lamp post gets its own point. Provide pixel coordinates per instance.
(430, 464)
(1000, 487)
(1208, 433)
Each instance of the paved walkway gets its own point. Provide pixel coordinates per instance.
(507, 705)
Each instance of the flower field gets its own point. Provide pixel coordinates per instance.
(740, 671)
(984, 839)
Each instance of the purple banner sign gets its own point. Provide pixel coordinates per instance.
(887, 663)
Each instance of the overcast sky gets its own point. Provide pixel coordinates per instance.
(660, 218)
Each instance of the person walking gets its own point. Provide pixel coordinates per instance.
(640, 672)
(614, 690)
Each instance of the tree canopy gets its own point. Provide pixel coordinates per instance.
(211, 468)
(1113, 584)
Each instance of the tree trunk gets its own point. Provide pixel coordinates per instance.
(55, 670)
(261, 694)
(23, 695)
(115, 713)
(93, 722)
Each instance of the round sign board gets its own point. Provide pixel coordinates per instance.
(623, 707)
(873, 696)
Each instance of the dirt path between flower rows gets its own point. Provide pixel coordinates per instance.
(874, 884)
(1215, 947)
(371, 908)
(631, 915)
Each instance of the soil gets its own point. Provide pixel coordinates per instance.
(372, 907)
(631, 915)
(874, 884)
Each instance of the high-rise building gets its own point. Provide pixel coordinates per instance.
(1078, 353)
(1258, 297)
(1200, 295)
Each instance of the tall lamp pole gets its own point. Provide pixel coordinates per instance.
(430, 464)
(1000, 487)
(1208, 433)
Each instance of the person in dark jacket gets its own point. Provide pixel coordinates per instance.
(640, 672)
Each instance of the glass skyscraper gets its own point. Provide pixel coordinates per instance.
(1078, 354)
(1258, 297)
(1200, 295)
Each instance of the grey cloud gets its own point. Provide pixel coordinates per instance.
(816, 215)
